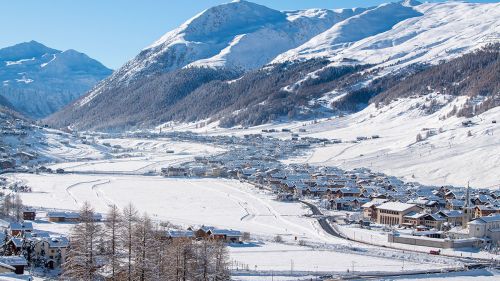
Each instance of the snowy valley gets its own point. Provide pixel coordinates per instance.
(251, 143)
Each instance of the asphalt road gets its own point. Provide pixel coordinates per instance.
(322, 220)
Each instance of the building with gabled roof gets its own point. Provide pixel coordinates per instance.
(392, 213)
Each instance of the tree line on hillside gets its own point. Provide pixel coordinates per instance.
(129, 246)
(284, 91)
(280, 91)
(142, 102)
(473, 74)
(192, 94)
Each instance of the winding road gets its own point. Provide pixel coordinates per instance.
(322, 220)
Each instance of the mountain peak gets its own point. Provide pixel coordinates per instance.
(38, 80)
(25, 50)
(229, 18)
(410, 3)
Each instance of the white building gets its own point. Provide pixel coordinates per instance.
(486, 227)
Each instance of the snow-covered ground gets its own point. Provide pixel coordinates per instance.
(218, 202)
(224, 204)
(146, 155)
(447, 156)
(281, 257)
(473, 275)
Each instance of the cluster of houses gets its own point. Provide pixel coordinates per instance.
(382, 199)
(450, 214)
(246, 156)
(22, 245)
(18, 139)
(14, 131)
(206, 232)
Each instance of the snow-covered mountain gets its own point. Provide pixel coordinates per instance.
(441, 32)
(38, 80)
(196, 64)
(239, 34)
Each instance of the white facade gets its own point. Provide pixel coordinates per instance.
(486, 227)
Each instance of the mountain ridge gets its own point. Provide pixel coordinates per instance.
(38, 80)
(393, 40)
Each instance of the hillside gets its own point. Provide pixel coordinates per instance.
(37, 80)
(221, 66)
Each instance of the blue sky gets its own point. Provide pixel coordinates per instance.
(114, 31)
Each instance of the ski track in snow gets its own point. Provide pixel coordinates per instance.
(69, 189)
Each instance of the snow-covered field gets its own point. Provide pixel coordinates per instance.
(224, 204)
(147, 155)
(217, 202)
(280, 257)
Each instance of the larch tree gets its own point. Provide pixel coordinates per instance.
(7, 205)
(84, 255)
(142, 249)
(112, 227)
(127, 238)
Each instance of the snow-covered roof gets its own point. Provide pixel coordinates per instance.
(487, 219)
(414, 215)
(435, 217)
(67, 215)
(451, 213)
(21, 226)
(374, 202)
(4, 265)
(396, 206)
(180, 233)
(13, 260)
(57, 242)
(227, 232)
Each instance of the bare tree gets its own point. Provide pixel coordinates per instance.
(7, 205)
(127, 236)
(143, 240)
(113, 223)
(83, 256)
(17, 207)
(221, 260)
